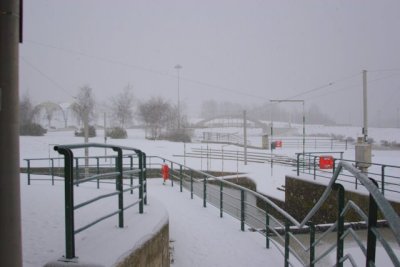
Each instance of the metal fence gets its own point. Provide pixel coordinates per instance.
(387, 176)
(263, 215)
(72, 176)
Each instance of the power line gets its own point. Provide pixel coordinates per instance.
(161, 73)
(108, 60)
(202, 83)
(324, 86)
(58, 85)
(384, 70)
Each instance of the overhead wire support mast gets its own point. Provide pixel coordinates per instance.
(365, 105)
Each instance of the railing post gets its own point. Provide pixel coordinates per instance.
(221, 199)
(119, 186)
(242, 218)
(52, 171)
(77, 170)
(312, 245)
(287, 240)
(98, 171)
(69, 201)
(334, 165)
(140, 157)
(340, 227)
(298, 164)
(205, 191)
(372, 222)
(383, 180)
(131, 168)
(266, 226)
(28, 168)
(191, 184)
(180, 178)
(315, 164)
(145, 177)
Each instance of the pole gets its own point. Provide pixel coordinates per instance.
(304, 130)
(86, 139)
(272, 137)
(365, 103)
(10, 207)
(245, 136)
(105, 136)
(178, 68)
(184, 153)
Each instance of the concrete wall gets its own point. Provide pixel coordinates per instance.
(301, 196)
(153, 253)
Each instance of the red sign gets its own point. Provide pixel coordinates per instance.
(278, 143)
(326, 162)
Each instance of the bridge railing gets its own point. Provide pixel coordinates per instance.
(117, 174)
(264, 215)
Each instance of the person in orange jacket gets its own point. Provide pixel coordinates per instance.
(165, 172)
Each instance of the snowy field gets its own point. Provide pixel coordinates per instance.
(43, 236)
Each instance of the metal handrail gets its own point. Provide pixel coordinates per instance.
(70, 230)
(375, 197)
(381, 177)
(377, 201)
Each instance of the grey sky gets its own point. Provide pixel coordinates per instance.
(245, 51)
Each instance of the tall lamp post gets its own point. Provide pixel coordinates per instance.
(304, 118)
(178, 68)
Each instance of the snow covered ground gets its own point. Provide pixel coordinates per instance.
(223, 243)
(198, 236)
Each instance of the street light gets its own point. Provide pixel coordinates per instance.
(178, 68)
(304, 119)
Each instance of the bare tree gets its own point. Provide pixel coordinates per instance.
(26, 110)
(84, 104)
(27, 114)
(49, 108)
(154, 113)
(122, 106)
(64, 110)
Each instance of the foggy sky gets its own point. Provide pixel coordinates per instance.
(244, 51)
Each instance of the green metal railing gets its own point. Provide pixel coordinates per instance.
(268, 217)
(54, 167)
(118, 174)
(387, 176)
(279, 227)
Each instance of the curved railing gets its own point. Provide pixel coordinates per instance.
(267, 217)
(118, 174)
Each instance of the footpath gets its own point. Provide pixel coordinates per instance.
(199, 237)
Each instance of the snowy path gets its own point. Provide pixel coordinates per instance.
(201, 238)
